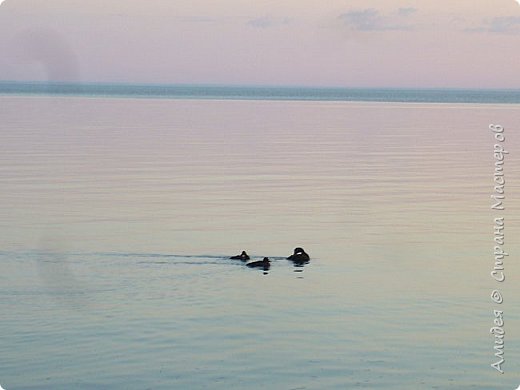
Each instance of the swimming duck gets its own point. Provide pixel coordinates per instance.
(265, 264)
(299, 256)
(243, 256)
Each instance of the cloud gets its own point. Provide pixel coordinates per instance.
(505, 25)
(363, 20)
(406, 11)
(500, 25)
(370, 19)
(267, 21)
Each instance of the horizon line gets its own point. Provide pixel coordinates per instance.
(259, 86)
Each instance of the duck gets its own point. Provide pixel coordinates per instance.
(243, 256)
(299, 256)
(265, 264)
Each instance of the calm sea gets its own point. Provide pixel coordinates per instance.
(118, 215)
(218, 92)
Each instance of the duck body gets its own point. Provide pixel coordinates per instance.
(265, 264)
(299, 256)
(243, 256)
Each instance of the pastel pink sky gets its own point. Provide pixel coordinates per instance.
(369, 43)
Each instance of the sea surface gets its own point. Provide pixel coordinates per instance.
(118, 215)
(226, 92)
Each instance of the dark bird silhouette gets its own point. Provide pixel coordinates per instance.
(265, 264)
(299, 256)
(243, 256)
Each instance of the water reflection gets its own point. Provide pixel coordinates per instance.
(298, 267)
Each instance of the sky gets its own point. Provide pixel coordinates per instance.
(333, 43)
